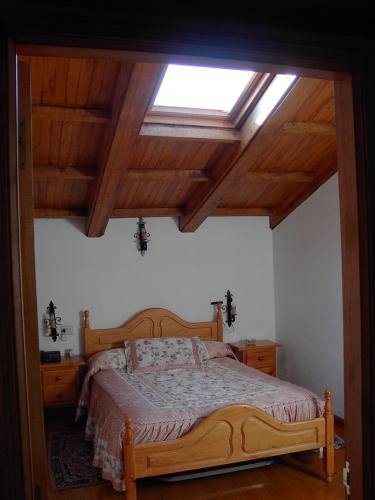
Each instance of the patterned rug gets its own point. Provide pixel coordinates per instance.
(339, 442)
(70, 458)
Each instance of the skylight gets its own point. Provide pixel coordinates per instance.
(280, 84)
(196, 87)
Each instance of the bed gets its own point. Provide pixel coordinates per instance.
(158, 425)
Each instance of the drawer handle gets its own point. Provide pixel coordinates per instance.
(58, 379)
(59, 396)
(260, 358)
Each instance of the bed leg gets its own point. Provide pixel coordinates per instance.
(129, 463)
(329, 451)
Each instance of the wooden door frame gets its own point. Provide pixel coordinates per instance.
(354, 151)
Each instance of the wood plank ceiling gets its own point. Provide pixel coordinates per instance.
(95, 157)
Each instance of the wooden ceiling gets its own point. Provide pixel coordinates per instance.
(95, 157)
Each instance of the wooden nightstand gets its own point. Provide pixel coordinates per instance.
(61, 381)
(261, 356)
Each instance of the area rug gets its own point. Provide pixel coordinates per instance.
(69, 459)
(339, 442)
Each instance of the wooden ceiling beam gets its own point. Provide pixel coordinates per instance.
(292, 203)
(241, 212)
(189, 133)
(57, 213)
(230, 167)
(70, 114)
(172, 51)
(167, 174)
(63, 173)
(146, 212)
(80, 213)
(309, 128)
(127, 116)
(280, 177)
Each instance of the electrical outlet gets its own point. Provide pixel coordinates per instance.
(66, 330)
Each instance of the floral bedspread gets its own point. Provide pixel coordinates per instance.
(165, 405)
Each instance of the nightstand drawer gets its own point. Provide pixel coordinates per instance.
(258, 359)
(53, 394)
(57, 377)
(267, 369)
(61, 381)
(260, 354)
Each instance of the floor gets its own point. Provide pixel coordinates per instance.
(297, 477)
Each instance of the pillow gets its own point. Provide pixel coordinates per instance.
(107, 360)
(217, 349)
(103, 360)
(165, 353)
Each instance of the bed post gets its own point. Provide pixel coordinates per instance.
(129, 464)
(219, 320)
(86, 319)
(329, 456)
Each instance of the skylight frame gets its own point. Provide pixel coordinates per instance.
(190, 111)
(210, 118)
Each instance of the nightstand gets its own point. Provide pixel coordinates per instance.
(61, 381)
(261, 355)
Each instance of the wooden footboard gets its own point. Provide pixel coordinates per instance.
(235, 433)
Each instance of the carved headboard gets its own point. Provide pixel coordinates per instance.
(150, 323)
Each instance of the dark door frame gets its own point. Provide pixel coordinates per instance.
(354, 81)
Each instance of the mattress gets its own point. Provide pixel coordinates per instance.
(165, 405)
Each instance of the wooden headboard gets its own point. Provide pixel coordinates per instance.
(150, 323)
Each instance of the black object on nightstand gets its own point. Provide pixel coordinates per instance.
(50, 356)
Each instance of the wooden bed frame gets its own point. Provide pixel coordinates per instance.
(233, 434)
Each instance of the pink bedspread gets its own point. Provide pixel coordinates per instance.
(165, 405)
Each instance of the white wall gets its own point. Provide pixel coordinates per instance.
(180, 271)
(308, 294)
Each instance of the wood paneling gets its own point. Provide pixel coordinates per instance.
(60, 136)
(260, 194)
(145, 193)
(228, 167)
(167, 174)
(146, 212)
(61, 81)
(69, 114)
(16, 465)
(144, 52)
(59, 172)
(85, 166)
(58, 213)
(128, 111)
(354, 282)
(64, 143)
(59, 193)
(27, 269)
(274, 150)
(167, 153)
(309, 128)
(281, 177)
(241, 212)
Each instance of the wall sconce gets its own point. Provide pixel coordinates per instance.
(230, 309)
(142, 236)
(52, 322)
